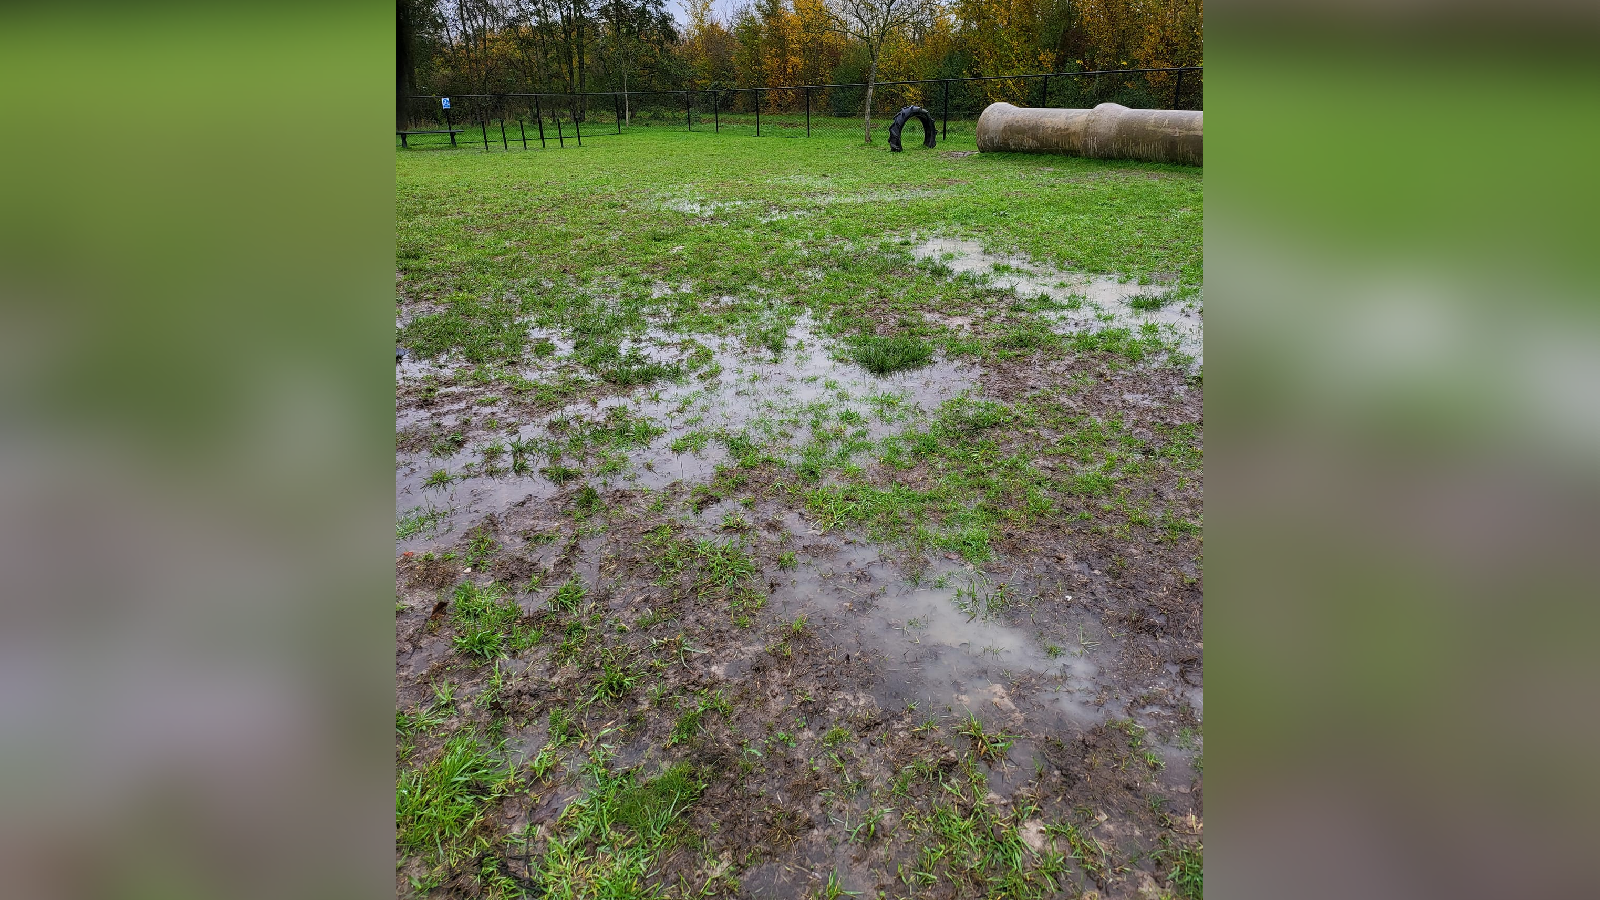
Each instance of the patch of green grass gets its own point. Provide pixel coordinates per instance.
(692, 721)
(1024, 338)
(484, 619)
(436, 804)
(887, 355)
(964, 416)
(587, 502)
(1146, 302)
(614, 683)
(606, 843)
(569, 595)
(1118, 342)
(693, 442)
(774, 337)
(977, 848)
(448, 444)
(722, 569)
(1087, 850)
(559, 473)
(1188, 738)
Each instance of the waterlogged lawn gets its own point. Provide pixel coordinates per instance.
(742, 230)
(752, 540)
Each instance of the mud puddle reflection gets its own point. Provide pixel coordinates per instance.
(939, 640)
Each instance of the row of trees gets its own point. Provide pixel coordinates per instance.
(568, 46)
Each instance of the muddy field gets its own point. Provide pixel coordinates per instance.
(804, 598)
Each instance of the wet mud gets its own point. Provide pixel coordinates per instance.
(844, 670)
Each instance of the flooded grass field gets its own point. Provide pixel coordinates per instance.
(791, 519)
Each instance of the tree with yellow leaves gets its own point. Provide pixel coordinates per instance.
(872, 23)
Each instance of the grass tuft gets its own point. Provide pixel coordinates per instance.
(886, 355)
(437, 804)
(1146, 302)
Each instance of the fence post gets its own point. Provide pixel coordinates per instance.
(485, 120)
(1177, 85)
(503, 144)
(450, 127)
(538, 110)
(758, 111)
(560, 135)
(688, 110)
(716, 117)
(808, 111)
(616, 104)
(524, 129)
(944, 133)
(577, 127)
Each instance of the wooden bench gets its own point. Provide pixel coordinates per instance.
(450, 131)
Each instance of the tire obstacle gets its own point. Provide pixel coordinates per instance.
(905, 115)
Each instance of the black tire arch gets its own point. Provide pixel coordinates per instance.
(905, 115)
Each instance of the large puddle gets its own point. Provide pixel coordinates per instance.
(778, 403)
(1087, 302)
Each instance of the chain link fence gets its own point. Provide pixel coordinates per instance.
(499, 122)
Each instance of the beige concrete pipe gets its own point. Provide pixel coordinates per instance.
(1108, 131)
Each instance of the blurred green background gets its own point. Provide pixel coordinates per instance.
(196, 259)
(1403, 348)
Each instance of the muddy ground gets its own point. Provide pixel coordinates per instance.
(859, 710)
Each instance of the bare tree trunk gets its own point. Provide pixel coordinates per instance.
(616, 14)
(872, 83)
(405, 65)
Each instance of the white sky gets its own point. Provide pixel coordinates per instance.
(723, 9)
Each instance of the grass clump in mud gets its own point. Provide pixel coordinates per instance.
(569, 595)
(969, 486)
(1146, 302)
(964, 841)
(486, 621)
(712, 568)
(887, 355)
(437, 804)
(607, 842)
(987, 744)
(1186, 868)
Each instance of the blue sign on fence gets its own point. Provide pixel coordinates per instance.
(445, 101)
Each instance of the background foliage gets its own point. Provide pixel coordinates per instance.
(561, 46)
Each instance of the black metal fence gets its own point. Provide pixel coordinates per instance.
(490, 122)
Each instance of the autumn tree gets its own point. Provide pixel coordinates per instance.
(1004, 36)
(708, 45)
(871, 23)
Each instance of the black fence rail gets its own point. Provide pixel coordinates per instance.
(490, 122)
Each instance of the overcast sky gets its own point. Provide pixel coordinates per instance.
(723, 9)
